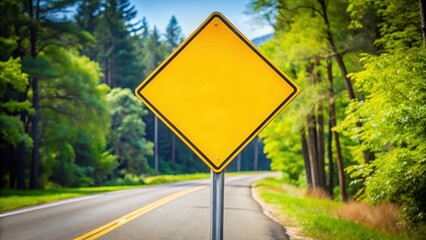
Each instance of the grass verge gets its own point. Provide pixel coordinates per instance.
(12, 199)
(315, 218)
(152, 180)
(184, 177)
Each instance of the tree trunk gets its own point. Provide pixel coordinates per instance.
(330, 132)
(333, 120)
(316, 78)
(156, 144)
(239, 162)
(423, 19)
(256, 153)
(336, 53)
(113, 74)
(5, 156)
(20, 166)
(312, 146)
(108, 72)
(117, 152)
(20, 156)
(340, 167)
(305, 152)
(12, 167)
(330, 182)
(312, 135)
(321, 146)
(368, 155)
(35, 158)
(173, 148)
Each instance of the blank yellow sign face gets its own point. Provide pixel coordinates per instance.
(216, 92)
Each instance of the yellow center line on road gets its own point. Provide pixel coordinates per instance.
(100, 231)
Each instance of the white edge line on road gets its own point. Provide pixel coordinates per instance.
(47, 205)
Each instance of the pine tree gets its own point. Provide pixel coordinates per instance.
(110, 22)
(86, 18)
(173, 34)
(173, 39)
(47, 26)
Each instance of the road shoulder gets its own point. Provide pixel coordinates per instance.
(291, 226)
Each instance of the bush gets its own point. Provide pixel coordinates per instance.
(393, 117)
(128, 179)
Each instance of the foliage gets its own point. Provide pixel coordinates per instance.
(316, 217)
(397, 21)
(156, 51)
(128, 179)
(65, 55)
(393, 116)
(72, 137)
(282, 136)
(393, 110)
(127, 140)
(110, 22)
(283, 147)
(301, 48)
(12, 83)
(84, 138)
(173, 34)
(390, 117)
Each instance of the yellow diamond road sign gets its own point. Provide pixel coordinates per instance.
(216, 91)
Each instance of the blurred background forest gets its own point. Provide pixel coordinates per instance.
(68, 115)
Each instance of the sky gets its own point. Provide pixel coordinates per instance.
(191, 13)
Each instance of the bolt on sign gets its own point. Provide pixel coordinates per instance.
(216, 91)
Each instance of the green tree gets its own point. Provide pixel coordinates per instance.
(308, 35)
(145, 29)
(110, 22)
(392, 112)
(127, 138)
(173, 39)
(28, 27)
(74, 119)
(87, 18)
(155, 51)
(12, 128)
(12, 77)
(47, 26)
(283, 146)
(397, 22)
(173, 34)
(393, 116)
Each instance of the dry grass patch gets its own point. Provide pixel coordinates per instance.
(384, 217)
(317, 193)
(310, 217)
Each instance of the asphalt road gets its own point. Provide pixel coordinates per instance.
(169, 211)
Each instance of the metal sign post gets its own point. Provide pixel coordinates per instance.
(216, 205)
(216, 92)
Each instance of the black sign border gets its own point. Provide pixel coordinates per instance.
(256, 131)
